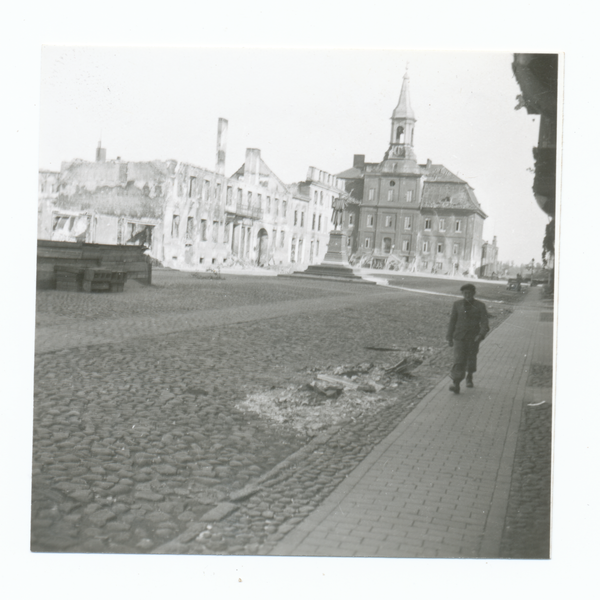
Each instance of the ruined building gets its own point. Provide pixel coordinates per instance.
(188, 216)
(410, 216)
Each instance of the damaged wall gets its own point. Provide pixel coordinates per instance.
(189, 216)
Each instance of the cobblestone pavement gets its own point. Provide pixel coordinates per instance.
(138, 446)
(450, 480)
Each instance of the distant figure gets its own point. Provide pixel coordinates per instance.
(519, 279)
(468, 326)
(339, 205)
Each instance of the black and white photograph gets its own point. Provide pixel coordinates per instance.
(281, 314)
(288, 310)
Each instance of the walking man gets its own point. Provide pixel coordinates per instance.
(468, 326)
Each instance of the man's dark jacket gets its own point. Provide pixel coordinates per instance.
(468, 320)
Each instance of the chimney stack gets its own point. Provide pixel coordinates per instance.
(359, 161)
(100, 153)
(252, 166)
(221, 145)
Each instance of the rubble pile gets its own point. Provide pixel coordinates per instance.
(334, 395)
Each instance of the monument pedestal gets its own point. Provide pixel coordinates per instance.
(335, 263)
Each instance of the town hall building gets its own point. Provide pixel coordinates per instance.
(410, 216)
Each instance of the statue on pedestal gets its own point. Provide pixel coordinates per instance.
(339, 205)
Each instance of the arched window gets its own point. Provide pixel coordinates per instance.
(400, 134)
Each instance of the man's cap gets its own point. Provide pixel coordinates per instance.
(467, 286)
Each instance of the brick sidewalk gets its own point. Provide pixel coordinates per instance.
(438, 485)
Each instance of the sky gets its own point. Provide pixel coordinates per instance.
(302, 108)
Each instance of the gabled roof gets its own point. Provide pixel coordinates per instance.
(264, 171)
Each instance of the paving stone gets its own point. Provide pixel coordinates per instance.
(148, 495)
(100, 517)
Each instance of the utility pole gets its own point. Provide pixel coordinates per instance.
(532, 267)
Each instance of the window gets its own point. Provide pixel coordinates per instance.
(317, 247)
(215, 231)
(409, 196)
(388, 221)
(240, 195)
(276, 207)
(282, 239)
(407, 222)
(203, 230)
(455, 249)
(260, 201)
(314, 222)
(189, 228)
(350, 219)
(295, 217)
(387, 245)
(367, 242)
(191, 187)
(284, 208)
(440, 248)
(269, 204)
(442, 224)
(425, 246)
(457, 226)
(405, 246)
(400, 134)
(369, 221)
(348, 242)
(205, 190)
(218, 192)
(316, 196)
(427, 224)
(302, 219)
(175, 226)
(249, 198)
(319, 225)
(390, 195)
(371, 194)
(229, 194)
(321, 197)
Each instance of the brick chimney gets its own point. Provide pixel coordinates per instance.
(221, 145)
(252, 166)
(359, 161)
(100, 153)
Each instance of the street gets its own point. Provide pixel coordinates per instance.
(138, 435)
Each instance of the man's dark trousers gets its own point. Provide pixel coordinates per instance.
(465, 358)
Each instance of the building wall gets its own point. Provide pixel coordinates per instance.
(189, 216)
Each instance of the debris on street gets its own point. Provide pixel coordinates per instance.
(337, 394)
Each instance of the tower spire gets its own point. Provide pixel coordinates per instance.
(404, 110)
(400, 156)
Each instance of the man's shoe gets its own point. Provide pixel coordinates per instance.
(455, 387)
(470, 382)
